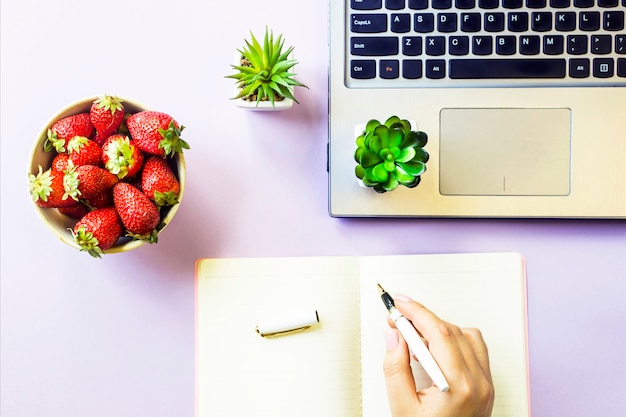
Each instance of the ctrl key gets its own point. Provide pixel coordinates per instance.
(363, 69)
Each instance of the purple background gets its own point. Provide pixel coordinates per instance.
(115, 337)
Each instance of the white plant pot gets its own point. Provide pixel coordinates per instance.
(283, 104)
(264, 105)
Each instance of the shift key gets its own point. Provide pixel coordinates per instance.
(374, 45)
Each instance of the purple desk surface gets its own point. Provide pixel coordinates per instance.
(115, 337)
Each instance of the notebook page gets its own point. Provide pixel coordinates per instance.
(315, 372)
(473, 290)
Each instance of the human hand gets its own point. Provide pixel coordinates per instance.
(460, 353)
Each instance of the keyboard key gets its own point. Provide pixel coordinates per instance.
(366, 4)
(601, 44)
(553, 44)
(512, 4)
(464, 4)
(494, 22)
(435, 68)
(541, 21)
(401, 23)
(507, 68)
(536, 4)
(506, 45)
(441, 4)
(607, 3)
(488, 4)
(613, 20)
(412, 69)
(482, 45)
(435, 45)
(424, 22)
(577, 44)
(394, 4)
(529, 45)
(412, 45)
(565, 21)
(389, 69)
(583, 3)
(374, 46)
(418, 4)
(517, 21)
(446, 22)
(621, 67)
(589, 21)
(603, 67)
(559, 4)
(458, 45)
(470, 22)
(620, 44)
(579, 68)
(362, 69)
(368, 23)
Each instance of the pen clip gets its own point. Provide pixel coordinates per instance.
(282, 332)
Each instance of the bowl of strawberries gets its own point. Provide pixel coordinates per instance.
(107, 175)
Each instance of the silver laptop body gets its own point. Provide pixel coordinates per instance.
(542, 138)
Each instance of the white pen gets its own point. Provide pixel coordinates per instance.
(415, 342)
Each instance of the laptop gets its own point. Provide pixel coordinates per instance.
(523, 103)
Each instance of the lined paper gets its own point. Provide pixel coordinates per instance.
(486, 291)
(335, 367)
(315, 372)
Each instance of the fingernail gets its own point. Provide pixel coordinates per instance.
(391, 338)
(403, 298)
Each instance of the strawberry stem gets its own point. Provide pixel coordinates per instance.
(87, 242)
(172, 142)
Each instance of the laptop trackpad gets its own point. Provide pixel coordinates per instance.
(505, 151)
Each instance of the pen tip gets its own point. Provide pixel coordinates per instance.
(380, 289)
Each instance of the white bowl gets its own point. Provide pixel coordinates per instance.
(58, 223)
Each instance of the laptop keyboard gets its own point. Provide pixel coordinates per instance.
(427, 43)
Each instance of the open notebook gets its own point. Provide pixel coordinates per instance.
(335, 368)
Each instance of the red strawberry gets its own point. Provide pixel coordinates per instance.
(65, 129)
(83, 151)
(121, 157)
(60, 162)
(106, 114)
(98, 230)
(104, 199)
(138, 213)
(77, 211)
(88, 181)
(48, 189)
(156, 133)
(159, 183)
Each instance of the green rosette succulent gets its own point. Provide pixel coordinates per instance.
(390, 154)
(265, 70)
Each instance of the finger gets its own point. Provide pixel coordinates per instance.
(424, 320)
(470, 358)
(477, 358)
(475, 340)
(442, 337)
(398, 375)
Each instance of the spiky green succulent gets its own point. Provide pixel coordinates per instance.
(264, 71)
(390, 154)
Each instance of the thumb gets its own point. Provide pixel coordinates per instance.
(398, 375)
